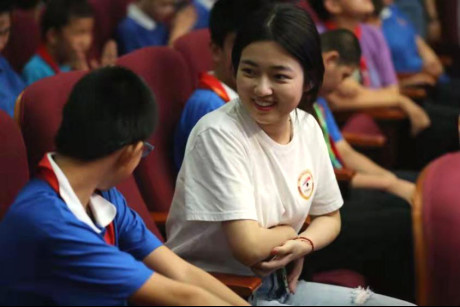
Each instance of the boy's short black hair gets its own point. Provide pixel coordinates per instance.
(26, 4)
(320, 9)
(228, 15)
(345, 43)
(108, 109)
(6, 6)
(58, 13)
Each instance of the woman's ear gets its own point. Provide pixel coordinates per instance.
(308, 86)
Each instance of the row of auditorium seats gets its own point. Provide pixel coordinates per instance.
(39, 115)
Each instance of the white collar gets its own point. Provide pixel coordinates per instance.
(207, 3)
(104, 211)
(386, 13)
(230, 92)
(136, 14)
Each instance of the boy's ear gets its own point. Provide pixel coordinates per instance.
(52, 37)
(333, 7)
(216, 52)
(129, 153)
(330, 58)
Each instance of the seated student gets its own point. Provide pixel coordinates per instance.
(423, 15)
(10, 83)
(379, 84)
(411, 54)
(429, 123)
(258, 166)
(67, 33)
(378, 203)
(193, 16)
(70, 237)
(217, 87)
(145, 25)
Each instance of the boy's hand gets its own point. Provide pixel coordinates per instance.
(109, 54)
(418, 117)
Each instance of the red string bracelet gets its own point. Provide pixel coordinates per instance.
(308, 241)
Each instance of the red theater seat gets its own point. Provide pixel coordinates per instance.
(24, 39)
(436, 220)
(14, 172)
(195, 48)
(166, 73)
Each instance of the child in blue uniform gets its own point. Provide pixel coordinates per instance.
(10, 83)
(70, 238)
(145, 25)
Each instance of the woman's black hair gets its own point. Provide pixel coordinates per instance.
(294, 30)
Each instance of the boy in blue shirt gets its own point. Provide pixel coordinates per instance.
(67, 32)
(217, 87)
(194, 16)
(10, 83)
(145, 25)
(379, 201)
(70, 238)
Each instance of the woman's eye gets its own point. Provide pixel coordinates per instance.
(280, 77)
(248, 71)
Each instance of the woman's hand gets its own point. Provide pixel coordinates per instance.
(290, 251)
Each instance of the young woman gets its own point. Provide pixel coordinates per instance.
(257, 167)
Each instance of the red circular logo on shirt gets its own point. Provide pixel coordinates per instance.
(306, 185)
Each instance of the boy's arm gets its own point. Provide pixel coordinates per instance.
(161, 291)
(358, 162)
(187, 278)
(431, 63)
(183, 23)
(370, 175)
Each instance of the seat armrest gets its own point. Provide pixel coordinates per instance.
(384, 114)
(344, 175)
(244, 286)
(365, 140)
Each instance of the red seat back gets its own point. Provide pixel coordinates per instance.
(108, 14)
(195, 48)
(436, 228)
(166, 73)
(14, 172)
(24, 39)
(40, 117)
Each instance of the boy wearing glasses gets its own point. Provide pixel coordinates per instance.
(70, 238)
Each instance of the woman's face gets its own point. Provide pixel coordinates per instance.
(270, 82)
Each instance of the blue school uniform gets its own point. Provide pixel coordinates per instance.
(138, 30)
(203, 10)
(52, 254)
(401, 36)
(10, 87)
(40, 66)
(211, 95)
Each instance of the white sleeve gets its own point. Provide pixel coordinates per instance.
(327, 197)
(216, 179)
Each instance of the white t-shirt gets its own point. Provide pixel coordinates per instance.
(233, 170)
